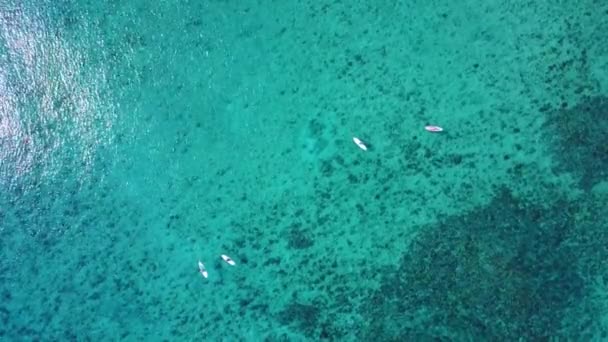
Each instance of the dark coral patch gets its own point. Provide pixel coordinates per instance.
(304, 316)
(579, 136)
(298, 237)
(506, 271)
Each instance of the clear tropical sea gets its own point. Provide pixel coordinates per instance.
(139, 137)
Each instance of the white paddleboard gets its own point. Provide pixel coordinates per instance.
(202, 269)
(228, 260)
(433, 128)
(360, 143)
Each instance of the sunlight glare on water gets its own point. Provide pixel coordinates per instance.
(52, 112)
(55, 119)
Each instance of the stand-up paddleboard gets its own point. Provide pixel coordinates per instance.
(202, 269)
(433, 128)
(228, 260)
(360, 143)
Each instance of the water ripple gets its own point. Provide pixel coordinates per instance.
(52, 112)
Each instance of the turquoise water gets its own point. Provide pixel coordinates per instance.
(139, 137)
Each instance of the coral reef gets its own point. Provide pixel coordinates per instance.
(579, 135)
(508, 270)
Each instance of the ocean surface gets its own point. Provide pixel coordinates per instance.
(139, 137)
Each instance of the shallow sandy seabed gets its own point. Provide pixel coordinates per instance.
(237, 139)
